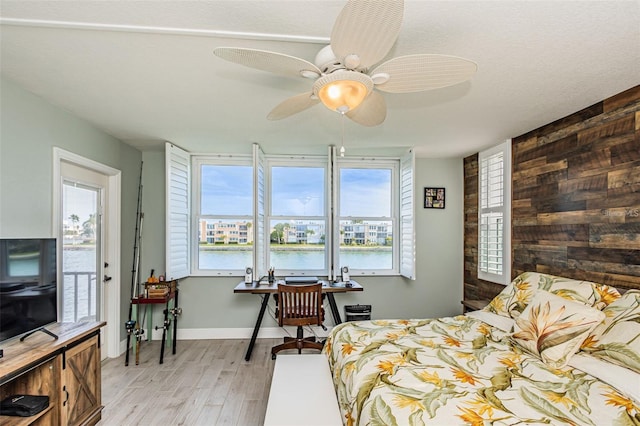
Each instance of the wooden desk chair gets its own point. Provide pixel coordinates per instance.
(299, 305)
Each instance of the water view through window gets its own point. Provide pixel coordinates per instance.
(80, 252)
(297, 227)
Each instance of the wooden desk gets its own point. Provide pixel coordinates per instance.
(327, 288)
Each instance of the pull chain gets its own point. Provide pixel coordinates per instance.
(342, 141)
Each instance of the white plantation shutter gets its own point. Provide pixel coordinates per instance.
(407, 229)
(178, 175)
(493, 213)
(259, 245)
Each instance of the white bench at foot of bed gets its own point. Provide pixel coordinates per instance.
(302, 392)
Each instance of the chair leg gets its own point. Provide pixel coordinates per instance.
(299, 343)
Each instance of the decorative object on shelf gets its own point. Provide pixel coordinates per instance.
(345, 274)
(23, 405)
(159, 289)
(433, 198)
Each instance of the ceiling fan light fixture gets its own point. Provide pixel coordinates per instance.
(343, 91)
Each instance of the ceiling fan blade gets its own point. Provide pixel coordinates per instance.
(371, 112)
(367, 28)
(293, 105)
(277, 63)
(415, 73)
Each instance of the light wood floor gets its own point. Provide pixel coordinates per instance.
(207, 382)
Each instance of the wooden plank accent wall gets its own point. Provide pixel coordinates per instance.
(575, 199)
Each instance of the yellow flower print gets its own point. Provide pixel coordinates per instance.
(471, 417)
(327, 346)
(463, 376)
(590, 342)
(404, 322)
(523, 296)
(431, 378)
(404, 401)
(465, 355)
(482, 406)
(615, 399)
(347, 348)
(428, 343)
(607, 294)
(451, 341)
(523, 286)
(510, 361)
(497, 304)
(387, 366)
(399, 359)
(349, 420)
(349, 368)
(396, 335)
(559, 398)
(484, 329)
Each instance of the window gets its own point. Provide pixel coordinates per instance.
(366, 219)
(298, 216)
(223, 219)
(494, 214)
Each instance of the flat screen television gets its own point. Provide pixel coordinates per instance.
(28, 285)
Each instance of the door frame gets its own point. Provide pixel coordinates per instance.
(111, 302)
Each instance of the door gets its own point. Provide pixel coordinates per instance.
(84, 267)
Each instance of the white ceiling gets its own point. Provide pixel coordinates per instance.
(144, 71)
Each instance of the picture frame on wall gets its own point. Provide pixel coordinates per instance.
(434, 198)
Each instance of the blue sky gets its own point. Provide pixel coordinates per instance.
(365, 192)
(296, 191)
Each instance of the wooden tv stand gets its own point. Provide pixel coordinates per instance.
(66, 369)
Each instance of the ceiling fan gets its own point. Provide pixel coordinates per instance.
(345, 77)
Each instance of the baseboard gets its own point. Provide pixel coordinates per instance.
(231, 333)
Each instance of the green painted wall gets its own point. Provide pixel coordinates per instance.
(29, 129)
(437, 291)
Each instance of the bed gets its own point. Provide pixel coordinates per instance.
(547, 350)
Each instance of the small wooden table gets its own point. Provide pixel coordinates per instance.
(328, 288)
(166, 330)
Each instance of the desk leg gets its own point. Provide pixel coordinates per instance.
(334, 309)
(265, 302)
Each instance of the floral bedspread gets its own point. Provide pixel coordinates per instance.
(459, 370)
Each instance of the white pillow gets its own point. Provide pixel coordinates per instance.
(617, 339)
(623, 379)
(553, 327)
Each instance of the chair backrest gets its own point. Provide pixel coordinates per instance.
(300, 304)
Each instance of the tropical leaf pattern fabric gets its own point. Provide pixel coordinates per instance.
(459, 370)
(515, 297)
(617, 339)
(553, 328)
